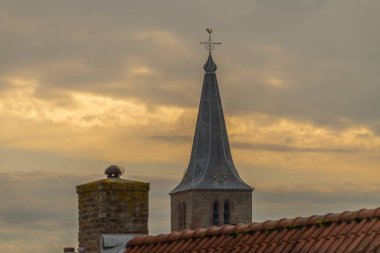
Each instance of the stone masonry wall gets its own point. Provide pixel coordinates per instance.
(111, 206)
(200, 207)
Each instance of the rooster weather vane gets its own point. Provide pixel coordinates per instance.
(210, 44)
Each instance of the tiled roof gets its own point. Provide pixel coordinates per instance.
(346, 232)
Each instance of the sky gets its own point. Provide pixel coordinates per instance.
(86, 84)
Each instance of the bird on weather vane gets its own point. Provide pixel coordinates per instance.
(210, 44)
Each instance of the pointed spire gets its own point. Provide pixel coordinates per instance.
(211, 166)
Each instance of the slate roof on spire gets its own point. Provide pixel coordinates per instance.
(211, 166)
(210, 66)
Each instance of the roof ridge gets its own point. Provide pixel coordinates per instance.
(269, 225)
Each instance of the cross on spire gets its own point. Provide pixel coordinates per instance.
(210, 44)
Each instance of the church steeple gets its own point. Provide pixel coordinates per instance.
(211, 191)
(211, 165)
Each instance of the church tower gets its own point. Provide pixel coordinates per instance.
(211, 192)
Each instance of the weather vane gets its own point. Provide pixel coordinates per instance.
(210, 44)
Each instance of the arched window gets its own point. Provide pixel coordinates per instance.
(215, 214)
(226, 212)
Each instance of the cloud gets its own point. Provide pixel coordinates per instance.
(45, 188)
(41, 206)
(172, 138)
(322, 61)
(276, 201)
(84, 109)
(141, 71)
(328, 194)
(285, 148)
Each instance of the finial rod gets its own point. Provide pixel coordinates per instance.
(210, 44)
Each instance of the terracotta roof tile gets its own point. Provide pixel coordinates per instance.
(291, 244)
(331, 237)
(375, 242)
(365, 243)
(349, 232)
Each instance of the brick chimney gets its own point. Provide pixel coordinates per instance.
(111, 206)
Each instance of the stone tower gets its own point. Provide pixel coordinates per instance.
(111, 206)
(211, 191)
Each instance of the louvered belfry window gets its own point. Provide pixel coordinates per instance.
(215, 214)
(226, 212)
